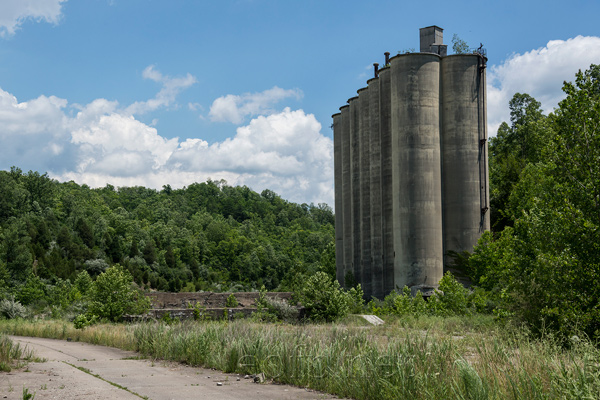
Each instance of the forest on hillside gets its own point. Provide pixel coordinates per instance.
(207, 236)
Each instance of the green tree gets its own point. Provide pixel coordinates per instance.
(548, 263)
(114, 294)
(83, 282)
(511, 150)
(324, 299)
(459, 46)
(4, 280)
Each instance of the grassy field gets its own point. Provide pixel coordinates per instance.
(418, 358)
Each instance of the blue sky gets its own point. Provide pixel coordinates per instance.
(155, 92)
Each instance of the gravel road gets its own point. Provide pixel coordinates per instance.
(76, 370)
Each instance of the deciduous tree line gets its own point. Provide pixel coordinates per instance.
(207, 236)
(541, 264)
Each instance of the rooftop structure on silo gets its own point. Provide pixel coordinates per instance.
(432, 40)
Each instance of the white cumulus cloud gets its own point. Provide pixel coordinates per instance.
(103, 142)
(285, 152)
(234, 108)
(14, 12)
(540, 73)
(171, 87)
(32, 131)
(116, 134)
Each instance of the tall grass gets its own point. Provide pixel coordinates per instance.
(419, 358)
(12, 355)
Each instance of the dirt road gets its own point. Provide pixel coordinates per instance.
(75, 370)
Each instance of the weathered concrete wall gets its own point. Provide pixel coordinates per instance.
(208, 299)
(355, 188)
(417, 213)
(338, 187)
(346, 192)
(387, 194)
(210, 305)
(365, 276)
(462, 129)
(375, 195)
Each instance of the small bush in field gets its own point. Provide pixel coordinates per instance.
(113, 294)
(10, 308)
(231, 301)
(324, 299)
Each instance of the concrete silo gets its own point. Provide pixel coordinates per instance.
(365, 188)
(345, 172)
(337, 159)
(464, 145)
(356, 266)
(416, 170)
(375, 185)
(412, 169)
(387, 201)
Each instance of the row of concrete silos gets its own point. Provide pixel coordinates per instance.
(410, 155)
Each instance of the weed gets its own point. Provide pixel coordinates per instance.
(27, 395)
(231, 301)
(12, 355)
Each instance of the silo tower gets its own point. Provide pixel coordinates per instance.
(411, 173)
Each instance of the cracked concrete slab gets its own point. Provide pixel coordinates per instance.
(76, 370)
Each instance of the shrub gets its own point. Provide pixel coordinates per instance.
(10, 308)
(114, 294)
(95, 267)
(264, 313)
(356, 297)
(32, 292)
(272, 310)
(83, 320)
(83, 282)
(282, 310)
(398, 303)
(324, 299)
(451, 299)
(231, 301)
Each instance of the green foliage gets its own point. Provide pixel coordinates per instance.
(10, 308)
(356, 299)
(199, 312)
(324, 299)
(32, 291)
(27, 395)
(208, 236)
(113, 294)
(451, 299)
(4, 280)
(83, 282)
(83, 320)
(459, 46)
(544, 269)
(231, 301)
(273, 310)
(513, 148)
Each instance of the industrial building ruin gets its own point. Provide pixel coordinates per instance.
(411, 171)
